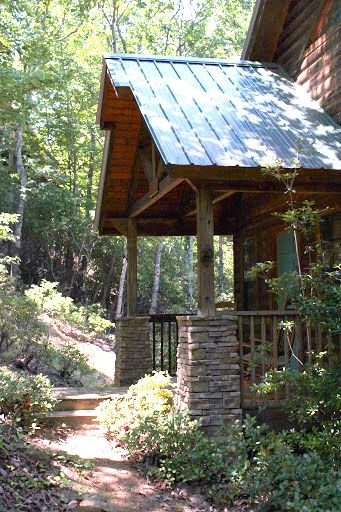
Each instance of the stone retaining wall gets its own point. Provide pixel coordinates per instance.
(208, 377)
(133, 350)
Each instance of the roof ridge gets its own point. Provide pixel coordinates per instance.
(191, 60)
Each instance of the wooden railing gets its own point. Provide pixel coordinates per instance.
(164, 335)
(265, 345)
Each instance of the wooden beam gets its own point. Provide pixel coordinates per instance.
(246, 175)
(132, 269)
(215, 200)
(146, 164)
(205, 231)
(300, 187)
(165, 186)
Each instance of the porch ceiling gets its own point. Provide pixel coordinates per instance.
(209, 121)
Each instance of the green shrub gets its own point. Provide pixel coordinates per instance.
(286, 471)
(71, 362)
(49, 300)
(315, 393)
(23, 398)
(23, 337)
(152, 393)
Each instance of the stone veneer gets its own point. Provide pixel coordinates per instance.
(208, 377)
(133, 350)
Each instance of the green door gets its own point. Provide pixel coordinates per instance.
(286, 258)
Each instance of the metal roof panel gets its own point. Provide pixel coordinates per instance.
(212, 112)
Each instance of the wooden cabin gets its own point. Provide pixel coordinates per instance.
(186, 141)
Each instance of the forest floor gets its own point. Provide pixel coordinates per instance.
(112, 483)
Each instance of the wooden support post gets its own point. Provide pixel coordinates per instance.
(132, 268)
(205, 231)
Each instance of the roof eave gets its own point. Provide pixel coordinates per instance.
(265, 27)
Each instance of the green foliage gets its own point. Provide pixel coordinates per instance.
(23, 337)
(174, 445)
(287, 471)
(152, 394)
(315, 393)
(22, 398)
(71, 362)
(49, 300)
(280, 478)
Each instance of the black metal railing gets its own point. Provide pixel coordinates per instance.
(165, 337)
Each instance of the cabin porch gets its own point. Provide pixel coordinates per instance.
(186, 141)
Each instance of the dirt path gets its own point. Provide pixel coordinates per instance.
(114, 484)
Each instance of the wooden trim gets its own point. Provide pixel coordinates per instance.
(240, 175)
(101, 96)
(103, 177)
(252, 31)
(265, 29)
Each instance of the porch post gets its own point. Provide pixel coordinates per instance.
(205, 232)
(208, 382)
(132, 268)
(133, 348)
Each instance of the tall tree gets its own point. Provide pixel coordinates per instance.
(156, 283)
(21, 200)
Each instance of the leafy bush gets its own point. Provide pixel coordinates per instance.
(286, 471)
(281, 472)
(71, 362)
(23, 337)
(152, 393)
(315, 393)
(22, 398)
(49, 300)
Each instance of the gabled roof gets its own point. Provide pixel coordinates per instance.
(206, 112)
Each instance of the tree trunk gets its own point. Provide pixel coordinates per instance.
(190, 267)
(21, 201)
(119, 308)
(156, 283)
(107, 283)
(74, 172)
(221, 277)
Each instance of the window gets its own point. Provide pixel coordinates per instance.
(331, 238)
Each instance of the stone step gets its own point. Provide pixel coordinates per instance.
(69, 418)
(75, 399)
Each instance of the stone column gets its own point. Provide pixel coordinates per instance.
(133, 350)
(208, 382)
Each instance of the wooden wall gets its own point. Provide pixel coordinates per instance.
(309, 49)
(263, 230)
